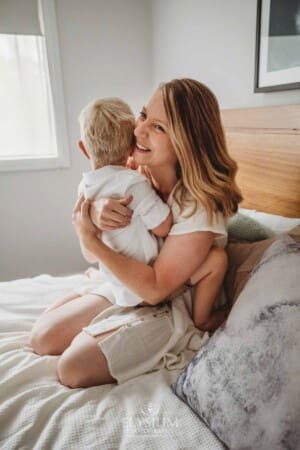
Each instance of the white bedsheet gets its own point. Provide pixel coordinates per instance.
(36, 412)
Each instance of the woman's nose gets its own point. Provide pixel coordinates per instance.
(140, 129)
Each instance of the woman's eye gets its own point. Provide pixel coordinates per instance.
(158, 127)
(142, 115)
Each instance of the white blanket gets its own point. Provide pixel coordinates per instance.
(37, 412)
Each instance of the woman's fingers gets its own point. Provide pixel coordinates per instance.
(78, 204)
(116, 217)
(111, 214)
(114, 222)
(85, 208)
(118, 206)
(107, 220)
(131, 164)
(110, 226)
(125, 202)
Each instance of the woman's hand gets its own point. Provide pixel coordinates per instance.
(82, 223)
(111, 214)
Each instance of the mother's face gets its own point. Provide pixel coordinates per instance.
(153, 144)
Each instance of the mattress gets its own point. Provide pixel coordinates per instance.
(37, 412)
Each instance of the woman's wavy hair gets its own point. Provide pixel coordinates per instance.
(205, 169)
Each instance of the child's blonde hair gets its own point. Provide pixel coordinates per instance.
(106, 127)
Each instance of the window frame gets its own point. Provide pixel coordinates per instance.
(62, 159)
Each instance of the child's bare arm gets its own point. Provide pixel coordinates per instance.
(163, 229)
(208, 280)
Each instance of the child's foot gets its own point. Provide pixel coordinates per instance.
(216, 319)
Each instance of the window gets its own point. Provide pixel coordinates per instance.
(32, 117)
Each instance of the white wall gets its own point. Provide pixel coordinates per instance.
(105, 50)
(214, 42)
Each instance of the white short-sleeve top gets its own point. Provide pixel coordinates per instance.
(149, 211)
(135, 240)
(197, 221)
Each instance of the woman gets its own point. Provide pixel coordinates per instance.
(180, 146)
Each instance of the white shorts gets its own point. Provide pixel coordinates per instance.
(146, 338)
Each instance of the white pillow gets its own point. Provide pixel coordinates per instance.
(277, 224)
(245, 382)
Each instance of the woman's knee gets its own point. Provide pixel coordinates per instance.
(67, 372)
(83, 364)
(71, 375)
(45, 339)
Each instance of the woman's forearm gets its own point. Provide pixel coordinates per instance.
(137, 276)
(179, 258)
(177, 261)
(88, 256)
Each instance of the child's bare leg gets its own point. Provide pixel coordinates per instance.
(54, 331)
(208, 280)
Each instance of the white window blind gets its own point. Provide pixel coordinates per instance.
(20, 17)
(26, 109)
(32, 116)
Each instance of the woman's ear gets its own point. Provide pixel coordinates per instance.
(83, 149)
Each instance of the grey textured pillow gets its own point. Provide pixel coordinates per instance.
(245, 382)
(244, 228)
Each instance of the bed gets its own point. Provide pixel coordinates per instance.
(36, 412)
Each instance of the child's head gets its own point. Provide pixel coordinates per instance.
(106, 127)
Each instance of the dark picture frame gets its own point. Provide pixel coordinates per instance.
(277, 52)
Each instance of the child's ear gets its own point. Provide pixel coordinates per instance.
(83, 149)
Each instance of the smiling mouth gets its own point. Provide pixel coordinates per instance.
(141, 148)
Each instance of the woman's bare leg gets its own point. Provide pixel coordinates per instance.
(54, 331)
(208, 281)
(60, 302)
(83, 364)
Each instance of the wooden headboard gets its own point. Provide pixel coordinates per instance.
(265, 142)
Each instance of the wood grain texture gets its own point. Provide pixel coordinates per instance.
(265, 142)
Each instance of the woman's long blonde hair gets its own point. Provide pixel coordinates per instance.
(205, 169)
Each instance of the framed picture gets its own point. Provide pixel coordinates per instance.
(277, 56)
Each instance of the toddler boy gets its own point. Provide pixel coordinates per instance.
(107, 139)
